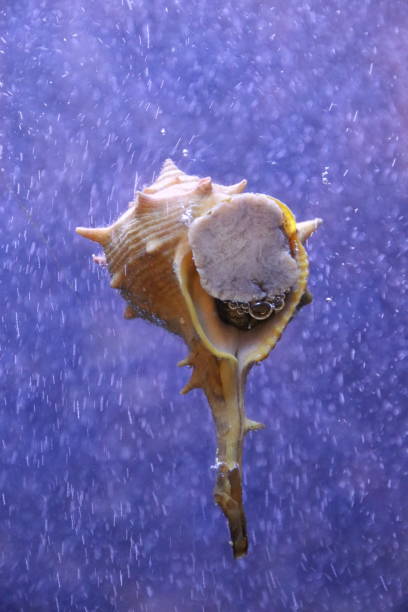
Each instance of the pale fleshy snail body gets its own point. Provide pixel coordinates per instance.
(224, 269)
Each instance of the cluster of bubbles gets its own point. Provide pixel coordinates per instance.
(259, 310)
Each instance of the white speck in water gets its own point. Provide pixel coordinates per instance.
(383, 583)
(185, 152)
(163, 131)
(325, 176)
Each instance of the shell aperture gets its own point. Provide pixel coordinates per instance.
(226, 271)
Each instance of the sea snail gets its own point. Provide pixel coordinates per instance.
(225, 270)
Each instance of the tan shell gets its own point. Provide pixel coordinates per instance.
(187, 244)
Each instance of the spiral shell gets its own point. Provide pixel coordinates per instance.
(224, 269)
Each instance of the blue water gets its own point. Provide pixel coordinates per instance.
(105, 481)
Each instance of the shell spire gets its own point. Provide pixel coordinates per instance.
(227, 271)
(169, 166)
(169, 175)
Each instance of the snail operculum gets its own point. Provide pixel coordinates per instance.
(245, 258)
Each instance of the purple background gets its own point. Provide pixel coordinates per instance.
(105, 481)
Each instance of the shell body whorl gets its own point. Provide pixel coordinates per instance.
(226, 271)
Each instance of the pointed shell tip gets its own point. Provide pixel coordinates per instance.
(96, 234)
(129, 313)
(238, 187)
(251, 425)
(306, 228)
